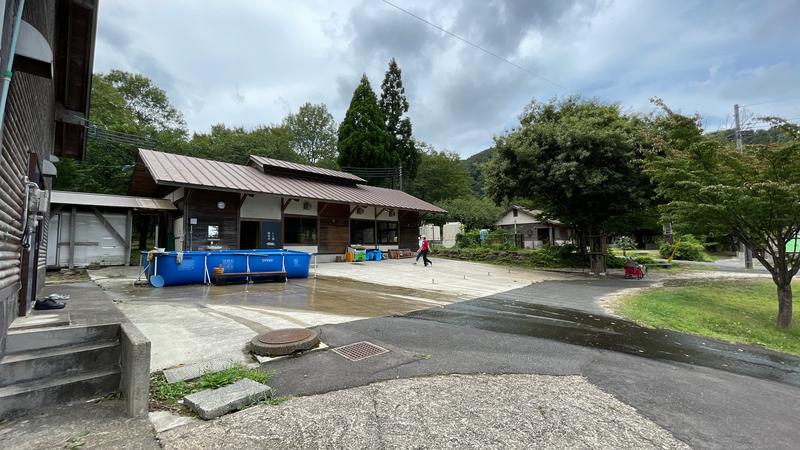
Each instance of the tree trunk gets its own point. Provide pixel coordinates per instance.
(785, 305)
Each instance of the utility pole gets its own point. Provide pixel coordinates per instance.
(748, 253)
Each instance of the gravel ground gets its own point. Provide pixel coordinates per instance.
(454, 411)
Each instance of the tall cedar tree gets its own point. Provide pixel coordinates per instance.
(363, 140)
(394, 105)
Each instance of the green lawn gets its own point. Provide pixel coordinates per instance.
(735, 311)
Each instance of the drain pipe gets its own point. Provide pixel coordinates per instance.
(7, 73)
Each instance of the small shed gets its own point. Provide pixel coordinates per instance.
(89, 229)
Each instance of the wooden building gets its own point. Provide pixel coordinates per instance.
(534, 230)
(271, 203)
(48, 47)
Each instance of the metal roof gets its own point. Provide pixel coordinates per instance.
(311, 170)
(178, 170)
(116, 201)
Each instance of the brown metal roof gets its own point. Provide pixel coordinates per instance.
(303, 168)
(178, 170)
(116, 201)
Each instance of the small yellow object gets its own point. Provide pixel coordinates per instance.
(674, 249)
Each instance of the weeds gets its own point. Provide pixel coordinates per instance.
(166, 395)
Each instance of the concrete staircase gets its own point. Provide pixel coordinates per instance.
(47, 366)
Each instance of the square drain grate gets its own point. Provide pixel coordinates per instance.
(360, 350)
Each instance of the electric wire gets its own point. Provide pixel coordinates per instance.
(466, 41)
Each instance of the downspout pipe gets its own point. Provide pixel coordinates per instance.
(7, 72)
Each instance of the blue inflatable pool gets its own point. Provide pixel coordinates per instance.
(196, 267)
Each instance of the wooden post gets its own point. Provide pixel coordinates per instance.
(128, 237)
(73, 215)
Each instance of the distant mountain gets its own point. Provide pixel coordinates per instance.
(769, 136)
(473, 166)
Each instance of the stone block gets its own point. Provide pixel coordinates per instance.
(216, 402)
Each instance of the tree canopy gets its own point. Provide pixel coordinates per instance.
(473, 212)
(440, 176)
(236, 144)
(363, 139)
(754, 193)
(575, 158)
(313, 132)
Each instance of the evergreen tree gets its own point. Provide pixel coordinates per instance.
(394, 105)
(363, 140)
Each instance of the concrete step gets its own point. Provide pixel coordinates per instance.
(21, 367)
(33, 339)
(216, 402)
(57, 390)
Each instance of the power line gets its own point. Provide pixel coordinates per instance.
(774, 101)
(488, 52)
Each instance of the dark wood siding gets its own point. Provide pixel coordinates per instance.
(409, 229)
(334, 227)
(202, 204)
(27, 127)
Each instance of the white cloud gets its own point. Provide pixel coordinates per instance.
(248, 63)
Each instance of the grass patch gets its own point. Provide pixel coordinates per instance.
(164, 395)
(735, 311)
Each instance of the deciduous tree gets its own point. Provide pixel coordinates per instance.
(576, 159)
(441, 176)
(313, 133)
(755, 194)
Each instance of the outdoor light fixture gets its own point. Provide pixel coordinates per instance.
(221, 205)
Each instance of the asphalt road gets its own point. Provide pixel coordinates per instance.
(741, 406)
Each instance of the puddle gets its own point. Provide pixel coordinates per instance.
(322, 295)
(609, 333)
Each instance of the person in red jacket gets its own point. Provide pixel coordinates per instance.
(423, 249)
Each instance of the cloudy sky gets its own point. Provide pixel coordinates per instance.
(248, 62)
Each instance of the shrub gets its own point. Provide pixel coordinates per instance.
(468, 239)
(500, 239)
(689, 249)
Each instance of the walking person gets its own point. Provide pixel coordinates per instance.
(423, 249)
(419, 249)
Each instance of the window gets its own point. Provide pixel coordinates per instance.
(387, 232)
(516, 213)
(300, 230)
(362, 232)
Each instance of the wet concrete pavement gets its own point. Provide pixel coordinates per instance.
(189, 324)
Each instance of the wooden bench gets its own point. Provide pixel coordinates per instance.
(401, 253)
(222, 278)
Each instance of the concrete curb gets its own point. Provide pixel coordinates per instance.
(135, 365)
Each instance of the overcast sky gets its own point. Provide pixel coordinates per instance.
(246, 62)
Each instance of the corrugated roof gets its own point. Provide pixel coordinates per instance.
(117, 201)
(311, 170)
(179, 170)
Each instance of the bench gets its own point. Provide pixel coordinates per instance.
(221, 278)
(401, 253)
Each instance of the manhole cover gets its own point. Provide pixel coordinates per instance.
(360, 350)
(284, 342)
(285, 336)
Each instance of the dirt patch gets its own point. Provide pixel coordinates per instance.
(67, 276)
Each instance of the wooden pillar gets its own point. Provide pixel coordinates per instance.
(128, 237)
(73, 215)
(552, 235)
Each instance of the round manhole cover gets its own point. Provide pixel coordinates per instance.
(286, 336)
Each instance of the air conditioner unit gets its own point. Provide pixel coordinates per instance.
(307, 206)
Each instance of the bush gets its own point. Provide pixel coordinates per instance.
(689, 249)
(468, 239)
(543, 257)
(500, 239)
